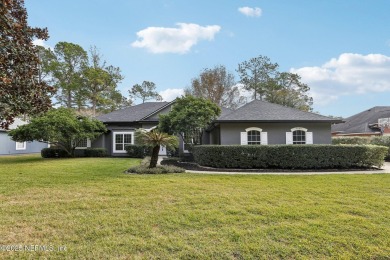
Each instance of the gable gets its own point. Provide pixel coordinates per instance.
(154, 117)
(132, 114)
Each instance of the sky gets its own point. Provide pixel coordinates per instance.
(341, 49)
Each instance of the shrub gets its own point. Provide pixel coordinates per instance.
(172, 152)
(54, 153)
(170, 161)
(95, 152)
(163, 169)
(351, 140)
(383, 141)
(290, 156)
(380, 140)
(138, 151)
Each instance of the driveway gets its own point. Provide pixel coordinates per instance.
(385, 169)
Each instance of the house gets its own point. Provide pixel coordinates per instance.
(258, 122)
(9, 147)
(372, 122)
(121, 125)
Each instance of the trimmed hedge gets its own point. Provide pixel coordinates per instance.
(138, 151)
(95, 152)
(351, 140)
(54, 153)
(290, 156)
(378, 140)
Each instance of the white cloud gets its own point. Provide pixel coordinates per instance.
(174, 40)
(349, 74)
(40, 42)
(249, 11)
(171, 93)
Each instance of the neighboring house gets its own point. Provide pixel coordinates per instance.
(9, 147)
(372, 122)
(257, 122)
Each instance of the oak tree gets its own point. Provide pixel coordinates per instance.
(217, 85)
(60, 127)
(188, 118)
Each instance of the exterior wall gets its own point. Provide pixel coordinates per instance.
(230, 132)
(215, 136)
(8, 147)
(106, 140)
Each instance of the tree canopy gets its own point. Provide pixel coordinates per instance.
(21, 93)
(189, 117)
(145, 91)
(83, 82)
(67, 73)
(100, 82)
(59, 127)
(262, 77)
(217, 85)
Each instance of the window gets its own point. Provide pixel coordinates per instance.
(254, 136)
(83, 143)
(20, 145)
(121, 140)
(299, 135)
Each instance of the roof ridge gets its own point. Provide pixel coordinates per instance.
(159, 109)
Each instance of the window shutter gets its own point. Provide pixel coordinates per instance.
(309, 137)
(88, 142)
(244, 138)
(264, 138)
(289, 138)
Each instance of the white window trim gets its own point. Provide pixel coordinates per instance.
(88, 145)
(308, 137)
(298, 128)
(253, 129)
(263, 136)
(24, 147)
(113, 141)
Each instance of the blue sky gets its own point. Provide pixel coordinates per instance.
(341, 49)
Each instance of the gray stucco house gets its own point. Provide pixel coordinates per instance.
(9, 147)
(257, 122)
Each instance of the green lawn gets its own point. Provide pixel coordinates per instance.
(97, 212)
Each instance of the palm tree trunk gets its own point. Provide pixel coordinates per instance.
(153, 160)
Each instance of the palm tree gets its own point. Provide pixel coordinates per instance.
(156, 139)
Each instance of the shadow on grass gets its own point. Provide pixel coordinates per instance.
(22, 158)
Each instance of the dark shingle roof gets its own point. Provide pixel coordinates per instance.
(360, 122)
(132, 114)
(268, 112)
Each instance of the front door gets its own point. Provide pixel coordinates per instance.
(163, 150)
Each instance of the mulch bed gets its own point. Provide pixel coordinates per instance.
(196, 167)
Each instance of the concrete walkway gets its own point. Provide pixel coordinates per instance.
(385, 169)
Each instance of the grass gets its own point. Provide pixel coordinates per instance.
(89, 206)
